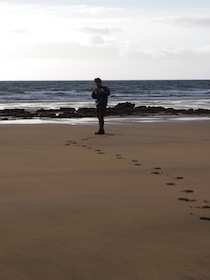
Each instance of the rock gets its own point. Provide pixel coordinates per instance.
(68, 110)
(122, 109)
(155, 110)
(140, 109)
(124, 106)
(56, 113)
(86, 112)
(202, 112)
(16, 113)
(171, 111)
(42, 113)
(189, 112)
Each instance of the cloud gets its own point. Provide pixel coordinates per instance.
(96, 40)
(184, 53)
(21, 31)
(61, 51)
(97, 48)
(186, 21)
(99, 31)
(138, 53)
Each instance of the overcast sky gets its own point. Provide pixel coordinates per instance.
(113, 39)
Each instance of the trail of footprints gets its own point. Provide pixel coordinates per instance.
(158, 172)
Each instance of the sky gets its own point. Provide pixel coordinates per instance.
(112, 39)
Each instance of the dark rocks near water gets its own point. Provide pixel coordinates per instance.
(56, 113)
(15, 113)
(86, 112)
(122, 109)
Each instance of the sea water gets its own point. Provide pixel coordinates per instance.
(33, 95)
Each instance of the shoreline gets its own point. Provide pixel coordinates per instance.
(108, 120)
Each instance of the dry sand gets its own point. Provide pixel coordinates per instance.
(83, 207)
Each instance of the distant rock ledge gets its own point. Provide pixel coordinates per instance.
(122, 109)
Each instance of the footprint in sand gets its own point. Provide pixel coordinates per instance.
(100, 152)
(118, 156)
(156, 173)
(186, 199)
(206, 207)
(205, 218)
(188, 191)
(70, 142)
(179, 178)
(136, 162)
(170, 184)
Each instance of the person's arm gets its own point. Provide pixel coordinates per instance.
(105, 91)
(94, 93)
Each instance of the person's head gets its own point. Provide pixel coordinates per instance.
(98, 82)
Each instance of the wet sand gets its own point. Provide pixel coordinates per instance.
(132, 204)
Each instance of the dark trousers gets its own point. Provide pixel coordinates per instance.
(101, 109)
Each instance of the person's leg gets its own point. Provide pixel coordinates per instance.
(100, 113)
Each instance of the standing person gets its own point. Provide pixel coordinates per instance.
(100, 94)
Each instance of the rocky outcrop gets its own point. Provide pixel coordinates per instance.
(56, 113)
(86, 112)
(15, 113)
(122, 109)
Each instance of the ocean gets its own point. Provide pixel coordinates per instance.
(178, 94)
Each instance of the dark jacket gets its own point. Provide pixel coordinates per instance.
(102, 97)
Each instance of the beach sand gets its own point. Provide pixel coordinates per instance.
(123, 206)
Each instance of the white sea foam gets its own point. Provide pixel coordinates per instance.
(109, 121)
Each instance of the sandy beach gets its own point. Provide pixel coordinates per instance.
(129, 205)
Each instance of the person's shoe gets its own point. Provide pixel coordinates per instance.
(100, 132)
